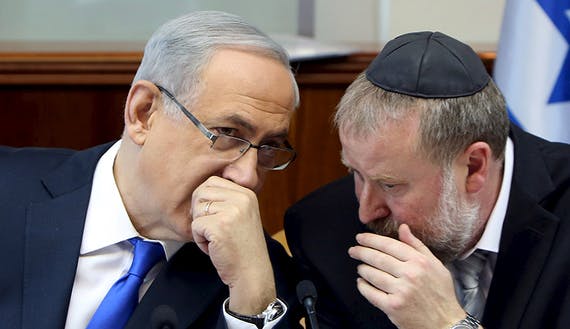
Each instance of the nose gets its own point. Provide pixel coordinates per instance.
(372, 203)
(244, 171)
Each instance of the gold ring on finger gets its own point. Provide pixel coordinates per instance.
(207, 207)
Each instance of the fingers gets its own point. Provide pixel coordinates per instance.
(226, 223)
(372, 294)
(404, 279)
(404, 249)
(215, 194)
(381, 280)
(201, 237)
(207, 208)
(406, 236)
(216, 185)
(386, 262)
(376, 259)
(386, 245)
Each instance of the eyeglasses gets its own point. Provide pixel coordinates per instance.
(232, 148)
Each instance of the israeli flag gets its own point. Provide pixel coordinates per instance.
(532, 68)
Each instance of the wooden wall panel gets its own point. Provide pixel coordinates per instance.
(61, 116)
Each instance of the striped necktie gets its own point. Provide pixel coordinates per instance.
(468, 275)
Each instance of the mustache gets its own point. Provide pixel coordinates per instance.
(386, 226)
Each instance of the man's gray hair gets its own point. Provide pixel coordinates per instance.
(176, 54)
(447, 125)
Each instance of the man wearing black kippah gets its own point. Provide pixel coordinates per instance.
(452, 217)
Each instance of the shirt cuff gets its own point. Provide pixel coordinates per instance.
(235, 323)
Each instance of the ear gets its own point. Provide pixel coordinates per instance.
(142, 102)
(476, 158)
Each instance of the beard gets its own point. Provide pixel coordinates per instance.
(448, 232)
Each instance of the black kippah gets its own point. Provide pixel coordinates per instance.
(428, 65)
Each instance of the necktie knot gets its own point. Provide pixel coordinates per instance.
(470, 269)
(468, 275)
(146, 255)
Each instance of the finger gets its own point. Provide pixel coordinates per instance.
(200, 235)
(205, 208)
(214, 188)
(387, 245)
(206, 193)
(379, 279)
(216, 181)
(376, 259)
(212, 207)
(375, 296)
(222, 194)
(405, 235)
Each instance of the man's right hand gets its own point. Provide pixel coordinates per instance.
(406, 281)
(231, 233)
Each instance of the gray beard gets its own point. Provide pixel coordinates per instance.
(447, 233)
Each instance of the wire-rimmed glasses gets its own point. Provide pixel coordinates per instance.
(232, 148)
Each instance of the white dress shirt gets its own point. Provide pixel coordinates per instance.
(106, 255)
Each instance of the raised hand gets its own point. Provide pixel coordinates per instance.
(406, 281)
(227, 226)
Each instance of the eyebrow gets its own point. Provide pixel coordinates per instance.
(385, 178)
(240, 121)
(373, 178)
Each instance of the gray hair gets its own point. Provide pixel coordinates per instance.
(447, 125)
(176, 54)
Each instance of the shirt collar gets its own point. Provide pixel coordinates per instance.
(107, 221)
(492, 235)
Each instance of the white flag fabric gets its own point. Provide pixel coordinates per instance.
(532, 68)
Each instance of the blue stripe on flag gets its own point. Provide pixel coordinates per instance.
(557, 11)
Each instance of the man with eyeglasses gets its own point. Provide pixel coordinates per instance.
(162, 228)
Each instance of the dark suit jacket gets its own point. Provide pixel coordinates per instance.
(44, 195)
(531, 282)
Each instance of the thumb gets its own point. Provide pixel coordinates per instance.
(406, 236)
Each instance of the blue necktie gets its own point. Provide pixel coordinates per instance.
(123, 297)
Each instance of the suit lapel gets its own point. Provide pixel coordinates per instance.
(189, 286)
(54, 230)
(526, 239)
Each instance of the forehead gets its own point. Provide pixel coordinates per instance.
(246, 86)
(388, 153)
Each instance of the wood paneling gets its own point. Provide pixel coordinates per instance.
(76, 100)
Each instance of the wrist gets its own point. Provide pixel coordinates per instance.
(273, 311)
(252, 297)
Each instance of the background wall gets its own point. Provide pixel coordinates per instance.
(333, 20)
(381, 20)
(133, 20)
